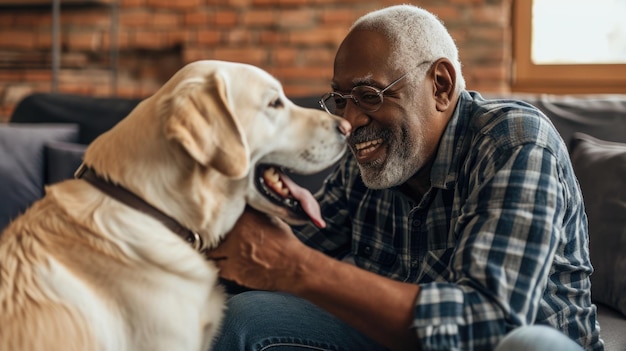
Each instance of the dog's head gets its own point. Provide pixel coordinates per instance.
(235, 119)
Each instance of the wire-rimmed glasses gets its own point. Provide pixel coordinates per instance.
(366, 97)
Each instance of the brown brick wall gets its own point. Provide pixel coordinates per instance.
(293, 39)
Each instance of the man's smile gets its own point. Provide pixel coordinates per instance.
(368, 145)
(368, 151)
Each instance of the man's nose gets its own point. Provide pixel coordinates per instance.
(353, 114)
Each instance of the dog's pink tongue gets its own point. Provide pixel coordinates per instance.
(307, 201)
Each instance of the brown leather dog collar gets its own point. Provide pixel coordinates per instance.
(128, 198)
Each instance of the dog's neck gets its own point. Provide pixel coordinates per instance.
(130, 199)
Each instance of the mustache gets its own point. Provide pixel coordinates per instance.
(366, 134)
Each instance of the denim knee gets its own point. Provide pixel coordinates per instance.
(270, 321)
(537, 338)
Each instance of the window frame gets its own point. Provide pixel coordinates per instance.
(554, 78)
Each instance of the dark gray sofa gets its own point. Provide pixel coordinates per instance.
(593, 126)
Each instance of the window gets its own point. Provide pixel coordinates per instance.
(569, 46)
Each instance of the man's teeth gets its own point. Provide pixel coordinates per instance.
(367, 144)
(272, 179)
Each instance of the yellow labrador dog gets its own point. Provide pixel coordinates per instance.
(113, 260)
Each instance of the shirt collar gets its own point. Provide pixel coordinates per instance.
(452, 147)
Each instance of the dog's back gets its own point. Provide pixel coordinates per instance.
(66, 284)
(34, 277)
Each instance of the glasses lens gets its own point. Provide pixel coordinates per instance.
(334, 103)
(369, 98)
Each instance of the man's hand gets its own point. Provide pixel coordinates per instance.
(260, 252)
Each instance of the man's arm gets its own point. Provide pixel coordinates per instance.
(262, 253)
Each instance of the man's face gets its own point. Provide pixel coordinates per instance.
(392, 143)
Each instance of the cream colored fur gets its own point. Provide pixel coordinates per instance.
(82, 271)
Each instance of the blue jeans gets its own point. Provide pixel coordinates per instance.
(269, 321)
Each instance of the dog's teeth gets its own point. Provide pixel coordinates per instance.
(272, 179)
(271, 175)
(280, 187)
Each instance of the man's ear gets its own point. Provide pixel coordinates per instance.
(197, 116)
(444, 79)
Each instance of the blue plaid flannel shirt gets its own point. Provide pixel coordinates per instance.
(499, 241)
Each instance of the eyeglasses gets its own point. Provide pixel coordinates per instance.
(367, 98)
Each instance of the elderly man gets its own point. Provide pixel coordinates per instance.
(455, 223)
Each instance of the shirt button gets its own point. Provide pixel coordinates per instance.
(417, 222)
(367, 250)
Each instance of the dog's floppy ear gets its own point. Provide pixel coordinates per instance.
(198, 117)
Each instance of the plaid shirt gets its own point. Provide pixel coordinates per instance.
(498, 241)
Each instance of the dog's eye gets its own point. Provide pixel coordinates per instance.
(278, 103)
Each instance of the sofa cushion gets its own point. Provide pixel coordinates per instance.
(601, 168)
(62, 160)
(22, 163)
(598, 115)
(94, 115)
(612, 326)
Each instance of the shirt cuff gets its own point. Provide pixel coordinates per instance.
(438, 315)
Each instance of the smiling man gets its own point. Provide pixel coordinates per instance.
(456, 223)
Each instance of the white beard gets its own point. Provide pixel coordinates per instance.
(400, 165)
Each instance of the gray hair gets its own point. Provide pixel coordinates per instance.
(415, 35)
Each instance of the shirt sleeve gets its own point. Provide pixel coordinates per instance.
(507, 234)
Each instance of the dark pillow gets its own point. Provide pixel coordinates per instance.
(93, 114)
(601, 170)
(22, 163)
(62, 160)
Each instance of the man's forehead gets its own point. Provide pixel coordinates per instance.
(362, 58)
(363, 45)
